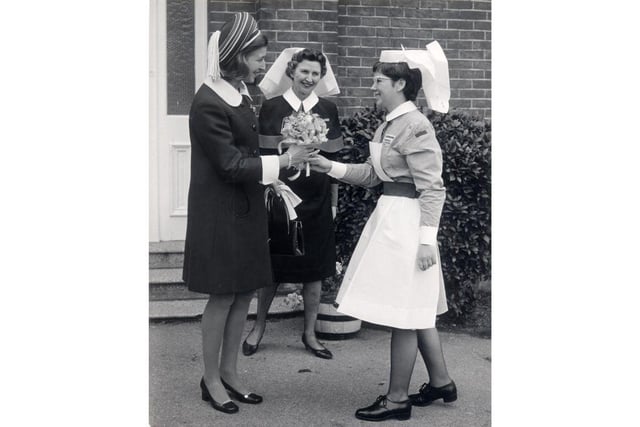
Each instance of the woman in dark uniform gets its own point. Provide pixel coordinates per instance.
(226, 250)
(303, 73)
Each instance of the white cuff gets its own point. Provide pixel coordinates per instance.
(338, 170)
(428, 235)
(270, 169)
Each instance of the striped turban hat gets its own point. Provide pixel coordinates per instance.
(234, 36)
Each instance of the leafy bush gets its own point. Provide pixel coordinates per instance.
(465, 226)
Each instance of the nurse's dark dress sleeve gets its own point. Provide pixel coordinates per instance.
(272, 113)
(214, 133)
(334, 136)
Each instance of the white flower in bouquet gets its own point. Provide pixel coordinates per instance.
(303, 128)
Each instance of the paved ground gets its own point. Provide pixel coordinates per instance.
(302, 390)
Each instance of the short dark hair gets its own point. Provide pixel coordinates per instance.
(400, 70)
(307, 55)
(235, 68)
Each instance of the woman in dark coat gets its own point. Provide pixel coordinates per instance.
(226, 248)
(303, 72)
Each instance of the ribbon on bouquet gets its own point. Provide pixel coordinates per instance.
(289, 142)
(291, 199)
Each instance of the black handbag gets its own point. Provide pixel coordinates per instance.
(285, 235)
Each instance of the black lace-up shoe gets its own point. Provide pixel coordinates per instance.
(428, 394)
(379, 411)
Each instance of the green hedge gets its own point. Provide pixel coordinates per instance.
(465, 226)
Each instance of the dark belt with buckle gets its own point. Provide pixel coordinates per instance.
(402, 189)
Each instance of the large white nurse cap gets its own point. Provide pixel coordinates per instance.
(276, 82)
(434, 68)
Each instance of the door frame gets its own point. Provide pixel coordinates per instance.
(169, 144)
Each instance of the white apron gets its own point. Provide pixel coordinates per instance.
(383, 284)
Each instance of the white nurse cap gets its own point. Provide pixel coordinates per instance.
(276, 82)
(434, 68)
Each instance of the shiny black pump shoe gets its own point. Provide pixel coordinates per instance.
(323, 353)
(379, 411)
(226, 407)
(428, 394)
(249, 349)
(252, 398)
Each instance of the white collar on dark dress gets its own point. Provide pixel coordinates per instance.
(227, 92)
(295, 102)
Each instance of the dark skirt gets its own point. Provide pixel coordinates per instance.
(319, 260)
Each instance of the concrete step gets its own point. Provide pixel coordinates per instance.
(186, 309)
(169, 297)
(166, 254)
(165, 275)
(166, 260)
(165, 284)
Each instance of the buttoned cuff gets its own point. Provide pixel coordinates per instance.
(270, 169)
(428, 235)
(338, 170)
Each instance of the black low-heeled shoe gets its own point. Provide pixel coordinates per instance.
(249, 349)
(226, 407)
(252, 398)
(428, 394)
(323, 353)
(379, 411)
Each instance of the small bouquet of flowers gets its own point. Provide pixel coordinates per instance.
(303, 128)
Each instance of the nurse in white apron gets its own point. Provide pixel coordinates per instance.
(394, 276)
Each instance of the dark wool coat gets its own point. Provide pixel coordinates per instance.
(226, 248)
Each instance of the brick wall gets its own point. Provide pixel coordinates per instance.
(463, 29)
(353, 32)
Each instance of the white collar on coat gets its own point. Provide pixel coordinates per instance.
(227, 92)
(404, 108)
(295, 102)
